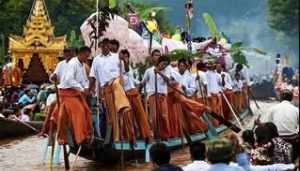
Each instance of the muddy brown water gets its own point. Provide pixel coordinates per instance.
(26, 154)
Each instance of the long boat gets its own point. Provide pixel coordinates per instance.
(102, 150)
(10, 128)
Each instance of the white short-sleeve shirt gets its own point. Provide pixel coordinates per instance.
(105, 68)
(74, 76)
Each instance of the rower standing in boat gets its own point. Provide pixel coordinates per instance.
(226, 85)
(213, 90)
(188, 85)
(55, 77)
(135, 99)
(157, 91)
(61, 66)
(74, 112)
(106, 71)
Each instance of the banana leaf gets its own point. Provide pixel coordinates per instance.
(209, 21)
(112, 4)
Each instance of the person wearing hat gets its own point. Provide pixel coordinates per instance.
(61, 66)
(220, 154)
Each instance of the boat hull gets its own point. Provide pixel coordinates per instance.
(111, 153)
(10, 128)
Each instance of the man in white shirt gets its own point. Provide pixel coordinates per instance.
(106, 72)
(244, 76)
(186, 78)
(198, 155)
(201, 82)
(138, 112)
(61, 66)
(73, 89)
(286, 118)
(213, 91)
(157, 91)
(226, 85)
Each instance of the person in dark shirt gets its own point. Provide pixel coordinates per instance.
(160, 156)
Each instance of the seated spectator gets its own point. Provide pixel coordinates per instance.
(240, 155)
(220, 153)
(248, 141)
(198, 154)
(27, 98)
(42, 96)
(282, 151)
(24, 115)
(261, 155)
(160, 156)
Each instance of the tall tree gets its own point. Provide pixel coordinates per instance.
(283, 15)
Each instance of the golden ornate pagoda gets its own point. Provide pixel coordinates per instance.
(38, 41)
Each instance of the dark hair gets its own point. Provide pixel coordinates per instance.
(286, 95)
(273, 131)
(248, 136)
(155, 51)
(182, 60)
(198, 151)
(84, 49)
(67, 50)
(115, 42)
(239, 66)
(160, 154)
(104, 41)
(26, 91)
(201, 66)
(163, 59)
(125, 51)
(220, 150)
(262, 135)
(26, 111)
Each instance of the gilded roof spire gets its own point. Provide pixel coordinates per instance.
(38, 29)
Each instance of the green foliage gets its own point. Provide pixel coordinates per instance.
(237, 54)
(74, 40)
(178, 54)
(209, 21)
(283, 15)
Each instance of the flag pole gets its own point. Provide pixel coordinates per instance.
(97, 23)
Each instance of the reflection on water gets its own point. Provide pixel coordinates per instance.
(26, 155)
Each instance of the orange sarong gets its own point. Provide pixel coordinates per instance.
(73, 112)
(139, 113)
(238, 101)
(116, 101)
(227, 113)
(244, 97)
(188, 113)
(215, 102)
(159, 116)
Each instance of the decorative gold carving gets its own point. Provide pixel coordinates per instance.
(38, 37)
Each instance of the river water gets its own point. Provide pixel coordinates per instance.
(26, 154)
